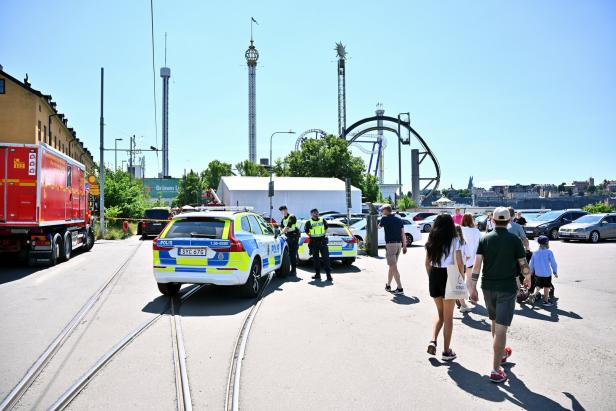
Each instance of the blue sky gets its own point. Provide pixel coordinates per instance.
(507, 92)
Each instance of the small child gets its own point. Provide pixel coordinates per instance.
(543, 265)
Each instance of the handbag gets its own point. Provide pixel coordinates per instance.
(456, 286)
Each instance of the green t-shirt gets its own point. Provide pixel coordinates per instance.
(500, 250)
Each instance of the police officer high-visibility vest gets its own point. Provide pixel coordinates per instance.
(293, 229)
(317, 227)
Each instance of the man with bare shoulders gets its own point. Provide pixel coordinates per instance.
(499, 252)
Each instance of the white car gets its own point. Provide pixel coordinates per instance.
(410, 228)
(426, 225)
(342, 245)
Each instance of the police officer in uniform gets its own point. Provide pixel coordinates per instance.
(316, 227)
(290, 229)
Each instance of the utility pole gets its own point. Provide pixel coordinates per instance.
(101, 206)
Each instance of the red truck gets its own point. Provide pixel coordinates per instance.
(44, 212)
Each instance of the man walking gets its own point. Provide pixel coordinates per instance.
(316, 227)
(395, 240)
(500, 252)
(290, 229)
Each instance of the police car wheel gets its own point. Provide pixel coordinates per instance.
(169, 289)
(252, 286)
(285, 266)
(348, 261)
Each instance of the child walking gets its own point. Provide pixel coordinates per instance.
(543, 265)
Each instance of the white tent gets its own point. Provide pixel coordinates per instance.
(299, 194)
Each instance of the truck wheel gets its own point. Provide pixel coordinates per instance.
(56, 246)
(252, 286)
(67, 247)
(285, 265)
(89, 240)
(169, 289)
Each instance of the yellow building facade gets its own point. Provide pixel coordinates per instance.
(28, 116)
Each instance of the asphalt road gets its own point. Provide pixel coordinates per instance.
(346, 345)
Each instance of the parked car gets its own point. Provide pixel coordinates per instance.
(549, 223)
(224, 248)
(154, 221)
(411, 229)
(419, 216)
(426, 225)
(591, 227)
(341, 243)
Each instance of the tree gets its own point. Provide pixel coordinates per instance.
(212, 174)
(598, 208)
(190, 190)
(561, 187)
(592, 189)
(370, 188)
(124, 196)
(406, 203)
(326, 157)
(249, 169)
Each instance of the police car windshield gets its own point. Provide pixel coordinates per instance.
(193, 227)
(337, 230)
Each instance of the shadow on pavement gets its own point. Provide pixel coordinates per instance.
(552, 314)
(575, 404)
(513, 390)
(322, 283)
(404, 299)
(481, 324)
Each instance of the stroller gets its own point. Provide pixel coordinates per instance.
(528, 294)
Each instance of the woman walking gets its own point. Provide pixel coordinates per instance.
(442, 250)
(471, 236)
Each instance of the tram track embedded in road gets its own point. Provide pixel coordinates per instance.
(41, 362)
(233, 383)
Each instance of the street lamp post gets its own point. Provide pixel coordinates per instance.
(115, 150)
(408, 115)
(271, 171)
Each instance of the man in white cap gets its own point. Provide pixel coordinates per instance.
(499, 252)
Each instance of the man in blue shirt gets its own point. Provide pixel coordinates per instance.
(395, 240)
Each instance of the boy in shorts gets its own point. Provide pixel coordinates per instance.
(543, 265)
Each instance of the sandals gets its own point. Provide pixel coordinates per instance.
(432, 348)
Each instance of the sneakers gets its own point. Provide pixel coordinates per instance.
(448, 355)
(329, 278)
(506, 354)
(432, 348)
(547, 303)
(497, 376)
(316, 277)
(398, 291)
(388, 288)
(466, 309)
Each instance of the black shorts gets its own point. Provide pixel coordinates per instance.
(437, 281)
(500, 305)
(543, 282)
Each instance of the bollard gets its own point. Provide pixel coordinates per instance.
(125, 228)
(372, 233)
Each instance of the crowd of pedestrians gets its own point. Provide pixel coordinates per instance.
(500, 260)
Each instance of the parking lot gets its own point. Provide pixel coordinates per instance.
(312, 345)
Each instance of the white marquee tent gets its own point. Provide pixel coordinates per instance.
(299, 194)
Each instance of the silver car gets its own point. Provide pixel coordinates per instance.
(591, 227)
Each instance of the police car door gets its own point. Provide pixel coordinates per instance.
(274, 249)
(262, 242)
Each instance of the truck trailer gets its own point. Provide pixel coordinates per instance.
(44, 207)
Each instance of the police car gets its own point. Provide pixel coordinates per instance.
(340, 243)
(221, 247)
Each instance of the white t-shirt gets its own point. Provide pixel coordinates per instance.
(471, 238)
(450, 258)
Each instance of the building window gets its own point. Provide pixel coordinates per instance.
(44, 134)
(38, 130)
(1, 86)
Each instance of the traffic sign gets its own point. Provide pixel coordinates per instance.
(92, 179)
(95, 190)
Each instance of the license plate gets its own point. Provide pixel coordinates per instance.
(192, 251)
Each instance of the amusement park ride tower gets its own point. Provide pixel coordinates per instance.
(252, 55)
(341, 53)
